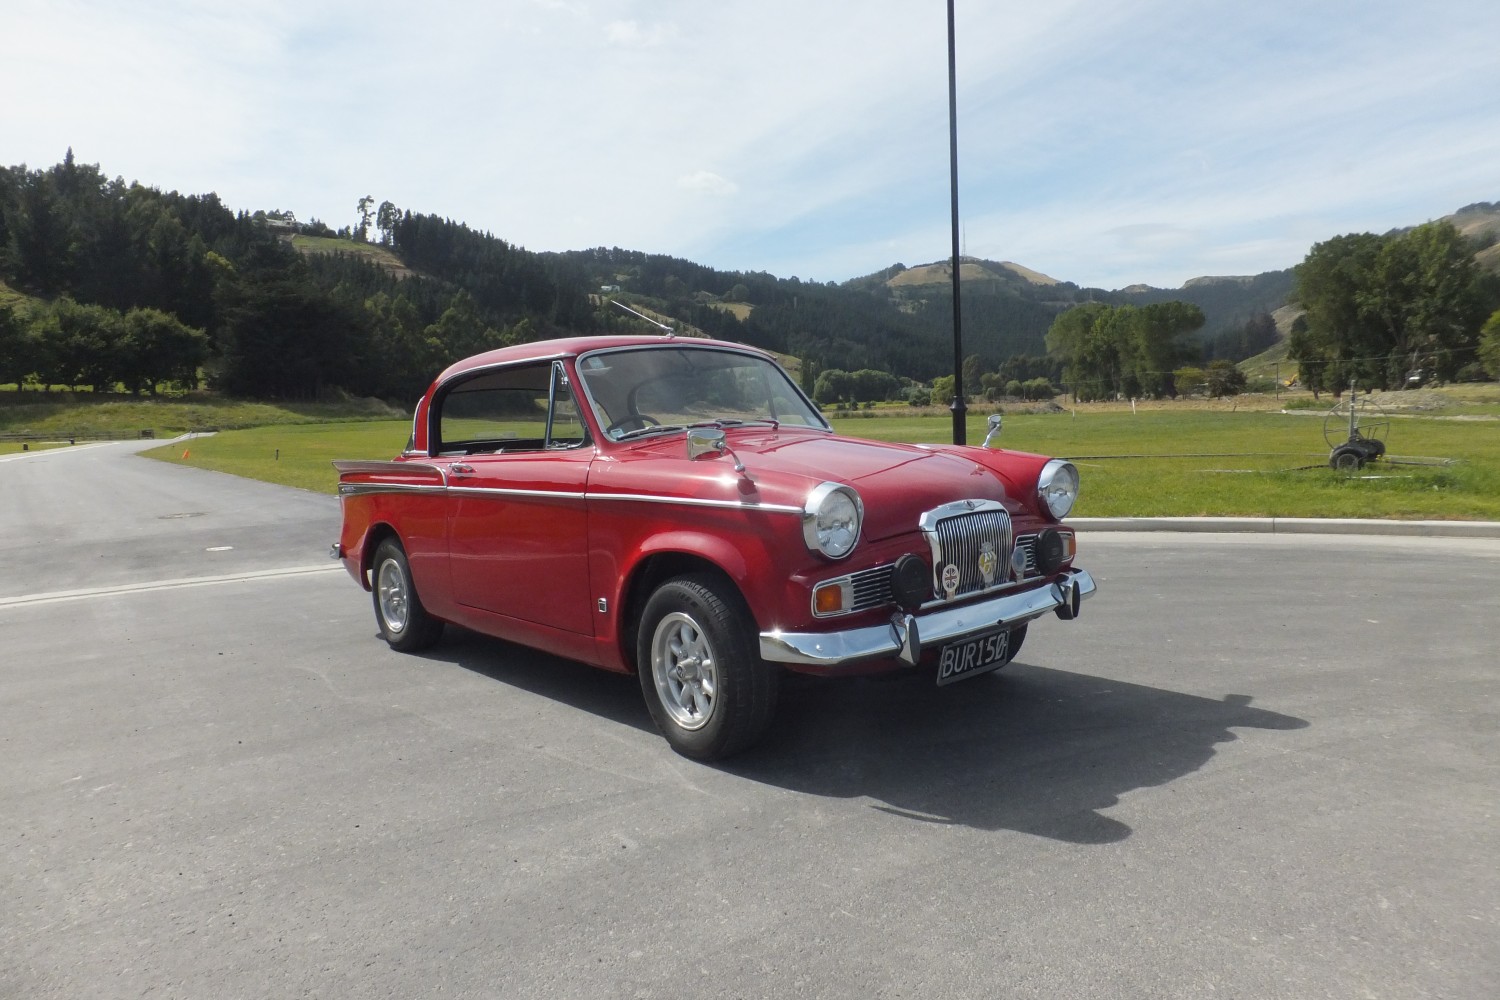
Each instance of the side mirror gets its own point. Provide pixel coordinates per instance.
(705, 441)
(995, 422)
(710, 441)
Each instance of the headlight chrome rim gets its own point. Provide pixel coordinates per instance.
(832, 518)
(1057, 488)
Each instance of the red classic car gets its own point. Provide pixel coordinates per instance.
(677, 508)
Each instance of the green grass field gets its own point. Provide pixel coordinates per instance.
(7, 447)
(63, 414)
(1151, 464)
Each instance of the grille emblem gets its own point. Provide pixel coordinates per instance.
(988, 560)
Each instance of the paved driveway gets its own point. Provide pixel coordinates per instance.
(1259, 766)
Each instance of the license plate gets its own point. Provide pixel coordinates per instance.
(969, 657)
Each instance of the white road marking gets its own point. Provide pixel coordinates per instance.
(73, 449)
(157, 585)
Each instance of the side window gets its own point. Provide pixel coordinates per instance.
(523, 408)
(568, 430)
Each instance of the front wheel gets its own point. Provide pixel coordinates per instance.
(403, 622)
(705, 684)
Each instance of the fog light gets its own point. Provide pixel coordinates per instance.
(910, 582)
(1049, 552)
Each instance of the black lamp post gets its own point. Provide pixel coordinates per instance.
(960, 411)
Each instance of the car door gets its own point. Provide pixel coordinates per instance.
(517, 520)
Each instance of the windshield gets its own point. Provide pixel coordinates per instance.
(638, 391)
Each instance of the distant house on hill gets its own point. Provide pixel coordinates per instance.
(280, 223)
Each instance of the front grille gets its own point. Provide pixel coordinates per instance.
(957, 534)
(1026, 545)
(971, 544)
(872, 587)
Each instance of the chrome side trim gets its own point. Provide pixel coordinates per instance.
(772, 508)
(368, 489)
(365, 489)
(388, 468)
(493, 491)
(899, 638)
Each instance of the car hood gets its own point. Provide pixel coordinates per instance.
(896, 482)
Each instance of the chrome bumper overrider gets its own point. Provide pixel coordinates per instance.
(905, 635)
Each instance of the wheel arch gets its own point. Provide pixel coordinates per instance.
(374, 535)
(656, 568)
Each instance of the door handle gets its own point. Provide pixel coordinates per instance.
(461, 469)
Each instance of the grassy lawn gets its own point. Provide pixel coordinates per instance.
(1150, 464)
(1196, 463)
(85, 414)
(8, 447)
(291, 454)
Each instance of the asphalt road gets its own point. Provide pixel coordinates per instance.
(1258, 766)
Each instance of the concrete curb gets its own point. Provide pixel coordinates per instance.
(1294, 526)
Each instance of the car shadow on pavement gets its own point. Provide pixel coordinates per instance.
(1030, 749)
(608, 695)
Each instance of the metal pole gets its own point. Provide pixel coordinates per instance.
(960, 414)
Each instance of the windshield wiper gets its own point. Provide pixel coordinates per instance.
(772, 422)
(737, 422)
(650, 429)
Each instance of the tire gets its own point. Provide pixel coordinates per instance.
(704, 682)
(1346, 459)
(404, 623)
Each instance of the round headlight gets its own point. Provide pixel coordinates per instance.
(1057, 488)
(830, 520)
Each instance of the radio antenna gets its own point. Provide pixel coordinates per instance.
(664, 328)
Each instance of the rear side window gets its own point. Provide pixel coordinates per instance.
(523, 408)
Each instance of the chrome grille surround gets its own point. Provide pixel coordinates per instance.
(971, 546)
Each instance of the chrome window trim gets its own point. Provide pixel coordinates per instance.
(434, 404)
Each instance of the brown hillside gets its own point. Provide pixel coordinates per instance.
(375, 254)
(941, 273)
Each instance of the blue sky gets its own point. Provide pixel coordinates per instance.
(1101, 143)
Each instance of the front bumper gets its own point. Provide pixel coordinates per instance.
(904, 636)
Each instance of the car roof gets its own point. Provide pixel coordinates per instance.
(571, 347)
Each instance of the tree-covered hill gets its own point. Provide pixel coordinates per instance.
(124, 284)
(109, 284)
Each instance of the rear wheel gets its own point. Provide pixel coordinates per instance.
(403, 622)
(704, 682)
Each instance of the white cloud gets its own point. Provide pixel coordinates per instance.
(708, 182)
(1140, 141)
(632, 35)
